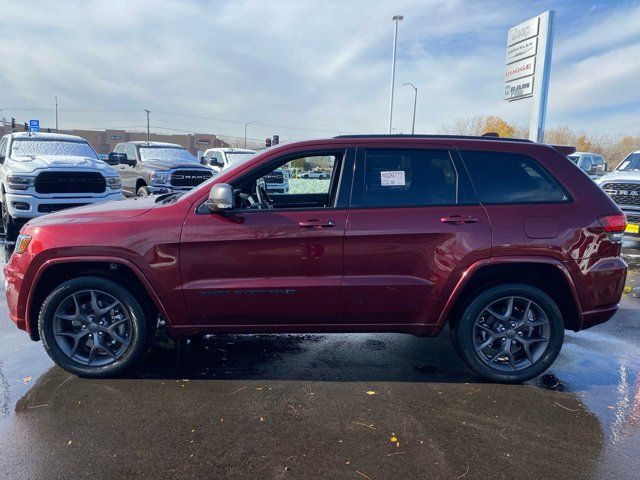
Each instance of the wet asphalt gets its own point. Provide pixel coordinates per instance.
(361, 406)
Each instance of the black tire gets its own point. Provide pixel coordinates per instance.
(140, 332)
(9, 226)
(463, 334)
(143, 191)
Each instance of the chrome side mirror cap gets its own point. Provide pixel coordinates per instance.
(220, 197)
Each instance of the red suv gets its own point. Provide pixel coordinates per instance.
(507, 242)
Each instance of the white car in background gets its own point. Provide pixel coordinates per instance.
(219, 159)
(45, 172)
(623, 186)
(592, 164)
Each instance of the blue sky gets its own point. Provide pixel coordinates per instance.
(308, 69)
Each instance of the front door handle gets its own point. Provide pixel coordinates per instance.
(458, 220)
(317, 224)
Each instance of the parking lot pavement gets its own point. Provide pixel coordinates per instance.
(325, 406)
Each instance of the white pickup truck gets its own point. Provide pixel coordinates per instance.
(45, 172)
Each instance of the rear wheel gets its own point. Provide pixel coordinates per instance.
(93, 327)
(510, 333)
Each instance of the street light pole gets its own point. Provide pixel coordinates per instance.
(148, 130)
(396, 19)
(415, 103)
(245, 131)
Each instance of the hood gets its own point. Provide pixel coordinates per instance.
(620, 176)
(115, 210)
(171, 164)
(31, 164)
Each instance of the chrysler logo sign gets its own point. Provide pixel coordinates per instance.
(522, 50)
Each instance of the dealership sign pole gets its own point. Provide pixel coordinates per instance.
(528, 66)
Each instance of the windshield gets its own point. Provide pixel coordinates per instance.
(31, 147)
(632, 162)
(574, 158)
(235, 158)
(166, 153)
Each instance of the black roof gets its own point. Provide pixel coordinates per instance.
(459, 137)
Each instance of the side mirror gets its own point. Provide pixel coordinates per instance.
(204, 161)
(220, 197)
(216, 162)
(125, 160)
(115, 158)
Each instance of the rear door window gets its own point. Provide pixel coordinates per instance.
(500, 177)
(408, 178)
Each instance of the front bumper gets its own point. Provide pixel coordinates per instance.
(633, 222)
(30, 206)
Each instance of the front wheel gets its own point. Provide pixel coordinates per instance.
(93, 327)
(8, 223)
(143, 191)
(510, 333)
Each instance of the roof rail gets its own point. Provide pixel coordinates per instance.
(462, 137)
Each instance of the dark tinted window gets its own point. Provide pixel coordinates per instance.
(510, 178)
(409, 178)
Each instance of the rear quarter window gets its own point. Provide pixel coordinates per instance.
(500, 177)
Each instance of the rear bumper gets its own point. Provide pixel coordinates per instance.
(596, 317)
(601, 289)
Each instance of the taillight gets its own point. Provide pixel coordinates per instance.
(613, 223)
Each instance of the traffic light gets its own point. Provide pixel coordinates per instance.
(13, 123)
(276, 140)
(26, 127)
(267, 143)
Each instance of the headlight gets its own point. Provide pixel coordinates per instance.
(20, 182)
(114, 182)
(161, 178)
(22, 242)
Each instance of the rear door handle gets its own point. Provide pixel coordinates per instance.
(458, 220)
(317, 224)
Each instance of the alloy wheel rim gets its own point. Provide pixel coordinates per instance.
(92, 328)
(511, 334)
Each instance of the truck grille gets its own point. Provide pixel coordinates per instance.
(633, 219)
(55, 207)
(274, 177)
(70, 182)
(189, 178)
(623, 193)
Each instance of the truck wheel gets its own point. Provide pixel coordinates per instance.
(143, 192)
(93, 327)
(509, 333)
(8, 224)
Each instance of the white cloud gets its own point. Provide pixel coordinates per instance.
(323, 66)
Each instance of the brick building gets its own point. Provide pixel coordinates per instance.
(105, 141)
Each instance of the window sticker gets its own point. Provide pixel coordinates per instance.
(392, 178)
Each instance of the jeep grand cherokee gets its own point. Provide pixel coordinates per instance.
(504, 241)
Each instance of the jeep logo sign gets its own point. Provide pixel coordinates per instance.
(523, 31)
